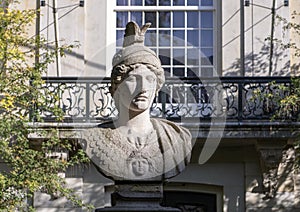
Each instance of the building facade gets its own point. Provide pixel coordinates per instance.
(220, 51)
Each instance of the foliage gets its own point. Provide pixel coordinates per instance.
(28, 165)
(289, 105)
(287, 26)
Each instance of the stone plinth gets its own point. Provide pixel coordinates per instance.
(137, 197)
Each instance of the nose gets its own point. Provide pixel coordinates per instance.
(144, 84)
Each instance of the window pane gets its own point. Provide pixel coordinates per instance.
(150, 2)
(122, 2)
(137, 17)
(193, 37)
(167, 72)
(164, 56)
(164, 38)
(122, 19)
(164, 3)
(151, 17)
(193, 2)
(207, 38)
(207, 57)
(178, 19)
(178, 38)
(207, 72)
(178, 56)
(164, 19)
(178, 72)
(193, 56)
(193, 72)
(119, 37)
(178, 2)
(192, 19)
(206, 2)
(136, 2)
(153, 50)
(206, 20)
(150, 38)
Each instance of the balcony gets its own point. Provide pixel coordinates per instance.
(230, 103)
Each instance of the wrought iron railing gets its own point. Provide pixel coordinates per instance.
(236, 98)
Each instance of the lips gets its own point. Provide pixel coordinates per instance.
(141, 98)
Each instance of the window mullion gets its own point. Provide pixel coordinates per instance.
(185, 37)
(163, 8)
(171, 44)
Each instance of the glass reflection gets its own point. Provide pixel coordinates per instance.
(178, 72)
(136, 2)
(122, 19)
(178, 2)
(151, 17)
(207, 72)
(164, 38)
(207, 57)
(164, 19)
(167, 72)
(150, 38)
(206, 38)
(193, 56)
(164, 3)
(193, 72)
(192, 19)
(193, 2)
(193, 37)
(137, 17)
(119, 37)
(122, 2)
(150, 2)
(178, 56)
(178, 19)
(206, 19)
(178, 38)
(206, 2)
(164, 56)
(154, 49)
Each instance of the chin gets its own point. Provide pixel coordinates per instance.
(139, 107)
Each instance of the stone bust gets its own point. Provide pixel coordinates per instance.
(135, 146)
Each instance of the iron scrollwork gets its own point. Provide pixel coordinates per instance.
(88, 99)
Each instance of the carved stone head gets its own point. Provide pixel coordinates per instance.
(133, 54)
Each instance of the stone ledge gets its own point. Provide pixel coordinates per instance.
(214, 129)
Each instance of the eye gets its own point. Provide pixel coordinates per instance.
(150, 78)
(130, 79)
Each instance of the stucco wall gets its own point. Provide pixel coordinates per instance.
(257, 27)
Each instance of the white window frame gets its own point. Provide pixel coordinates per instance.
(217, 29)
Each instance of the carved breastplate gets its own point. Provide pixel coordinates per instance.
(124, 157)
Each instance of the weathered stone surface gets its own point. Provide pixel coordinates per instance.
(138, 197)
(116, 156)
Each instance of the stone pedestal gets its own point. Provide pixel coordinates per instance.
(137, 197)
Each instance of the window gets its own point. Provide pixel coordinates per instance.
(193, 196)
(182, 32)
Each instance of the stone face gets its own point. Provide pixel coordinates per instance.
(136, 147)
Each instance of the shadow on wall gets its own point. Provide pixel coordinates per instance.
(282, 192)
(257, 64)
